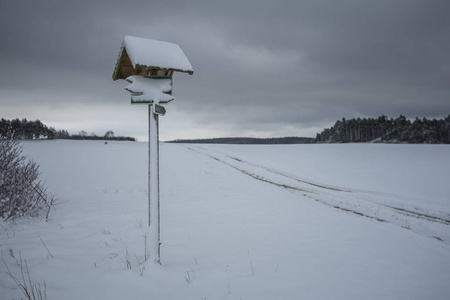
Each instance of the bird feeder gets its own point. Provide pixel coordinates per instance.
(145, 57)
(149, 66)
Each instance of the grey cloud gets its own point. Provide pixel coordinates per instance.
(258, 64)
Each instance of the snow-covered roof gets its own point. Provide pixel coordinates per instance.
(140, 56)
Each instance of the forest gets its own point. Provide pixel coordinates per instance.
(381, 129)
(32, 130)
(384, 130)
(248, 140)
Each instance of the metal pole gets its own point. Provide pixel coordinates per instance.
(153, 238)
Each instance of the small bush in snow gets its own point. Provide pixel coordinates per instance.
(21, 192)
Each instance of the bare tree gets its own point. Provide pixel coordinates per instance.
(109, 134)
(21, 191)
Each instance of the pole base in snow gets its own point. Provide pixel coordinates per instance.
(151, 252)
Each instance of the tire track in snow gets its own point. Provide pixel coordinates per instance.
(282, 174)
(420, 215)
(256, 176)
(400, 210)
(346, 200)
(285, 186)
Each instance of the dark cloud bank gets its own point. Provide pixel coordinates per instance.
(262, 68)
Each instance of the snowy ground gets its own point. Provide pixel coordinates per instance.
(348, 221)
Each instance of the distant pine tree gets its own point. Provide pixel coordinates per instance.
(24, 129)
(382, 129)
(247, 141)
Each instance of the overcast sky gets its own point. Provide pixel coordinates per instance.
(261, 68)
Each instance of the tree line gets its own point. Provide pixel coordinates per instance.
(247, 140)
(32, 130)
(382, 129)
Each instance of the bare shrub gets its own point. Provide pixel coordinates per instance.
(30, 290)
(21, 192)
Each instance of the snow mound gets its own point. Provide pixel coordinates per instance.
(149, 90)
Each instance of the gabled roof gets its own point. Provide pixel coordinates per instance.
(139, 56)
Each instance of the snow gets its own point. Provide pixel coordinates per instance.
(151, 90)
(154, 53)
(239, 222)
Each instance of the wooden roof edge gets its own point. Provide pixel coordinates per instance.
(122, 52)
(190, 72)
(115, 75)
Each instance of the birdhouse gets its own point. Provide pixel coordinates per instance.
(150, 58)
(149, 66)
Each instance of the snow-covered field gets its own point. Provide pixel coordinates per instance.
(341, 221)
